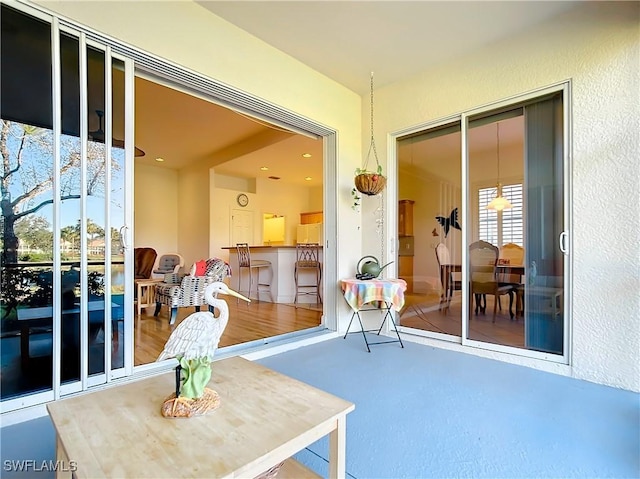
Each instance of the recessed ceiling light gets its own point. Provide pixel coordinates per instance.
(264, 168)
(308, 178)
(160, 160)
(306, 155)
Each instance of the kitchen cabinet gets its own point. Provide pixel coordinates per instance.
(309, 233)
(405, 271)
(311, 217)
(405, 217)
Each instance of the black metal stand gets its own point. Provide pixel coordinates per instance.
(387, 313)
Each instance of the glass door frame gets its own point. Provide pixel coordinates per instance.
(85, 381)
(564, 241)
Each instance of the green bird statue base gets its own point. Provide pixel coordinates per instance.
(185, 407)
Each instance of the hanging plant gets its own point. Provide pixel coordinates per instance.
(355, 206)
(370, 182)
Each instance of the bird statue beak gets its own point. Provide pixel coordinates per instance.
(226, 290)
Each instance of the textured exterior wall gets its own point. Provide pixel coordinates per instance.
(597, 47)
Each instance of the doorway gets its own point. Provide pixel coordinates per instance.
(248, 171)
(470, 257)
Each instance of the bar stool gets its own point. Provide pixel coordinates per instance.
(307, 258)
(245, 261)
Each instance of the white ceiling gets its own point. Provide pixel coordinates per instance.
(345, 40)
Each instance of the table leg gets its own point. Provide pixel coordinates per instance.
(361, 328)
(395, 328)
(139, 299)
(64, 469)
(338, 449)
(24, 343)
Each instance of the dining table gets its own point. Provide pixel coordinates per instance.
(504, 273)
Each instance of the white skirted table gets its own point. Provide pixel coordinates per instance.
(374, 295)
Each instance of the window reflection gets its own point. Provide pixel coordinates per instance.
(27, 255)
(430, 256)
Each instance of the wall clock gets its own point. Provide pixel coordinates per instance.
(242, 199)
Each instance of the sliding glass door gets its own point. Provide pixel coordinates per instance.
(65, 164)
(430, 237)
(488, 240)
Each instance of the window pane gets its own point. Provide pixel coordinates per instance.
(26, 334)
(430, 238)
(496, 161)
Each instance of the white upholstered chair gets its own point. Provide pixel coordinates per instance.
(168, 263)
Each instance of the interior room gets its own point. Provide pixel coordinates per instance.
(265, 189)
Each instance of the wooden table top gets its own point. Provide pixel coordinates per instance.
(264, 418)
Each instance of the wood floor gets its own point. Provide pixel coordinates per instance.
(247, 322)
(423, 312)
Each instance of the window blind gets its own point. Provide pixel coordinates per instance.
(501, 227)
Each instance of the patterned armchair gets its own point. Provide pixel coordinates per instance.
(178, 290)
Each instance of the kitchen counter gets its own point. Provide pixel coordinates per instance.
(280, 275)
(275, 246)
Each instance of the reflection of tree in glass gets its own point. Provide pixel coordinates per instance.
(70, 236)
(26, 180)
(35, 233)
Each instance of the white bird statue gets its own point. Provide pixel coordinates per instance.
(194, 342)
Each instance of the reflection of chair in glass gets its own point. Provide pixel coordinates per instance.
(512, 254)
(168, 263)
(483, 258)
(449, 276)
(144, 259)
(307, 259)
(245, 262)
(179, 291)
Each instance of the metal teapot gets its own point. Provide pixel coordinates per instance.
(370, 268)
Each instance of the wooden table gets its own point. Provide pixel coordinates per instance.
(385, 294)
(146, 292)
(264, 418)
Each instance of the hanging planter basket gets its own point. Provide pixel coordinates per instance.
(370, 183)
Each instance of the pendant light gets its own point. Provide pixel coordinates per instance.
(499, 203)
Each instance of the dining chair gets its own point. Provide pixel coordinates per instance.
(449, 276)
(245, 262)
(512, 254)
(483, 258)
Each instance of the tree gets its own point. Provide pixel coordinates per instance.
(71, 234)
(36, 232)
(26, 179)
